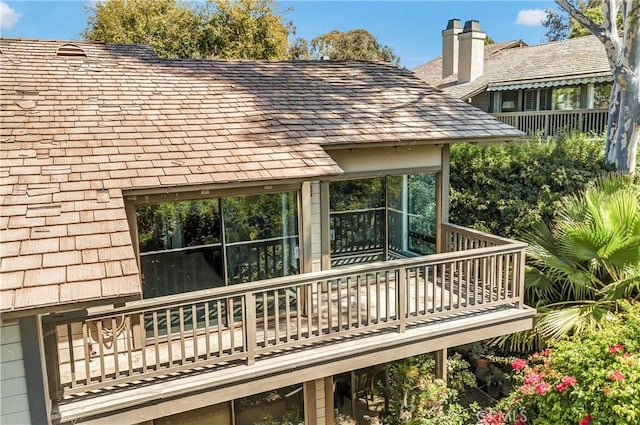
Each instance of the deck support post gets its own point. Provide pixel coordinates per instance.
(318, 401)
(441, 364)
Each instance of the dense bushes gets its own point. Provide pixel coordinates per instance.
(590, 379)
(504, 189)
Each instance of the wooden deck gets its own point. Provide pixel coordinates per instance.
(242, 328)
(355, 307)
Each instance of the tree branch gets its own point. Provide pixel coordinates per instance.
(586, 22)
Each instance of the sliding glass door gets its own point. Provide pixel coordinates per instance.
(382, 218)
(192, 245)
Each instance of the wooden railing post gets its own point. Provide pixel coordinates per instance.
(50, 336)
(521, 271)
(250, 318)
(401, 309)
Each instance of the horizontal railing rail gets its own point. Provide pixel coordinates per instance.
(107, 346)
(550, 123)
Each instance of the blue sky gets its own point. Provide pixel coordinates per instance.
(411, 28)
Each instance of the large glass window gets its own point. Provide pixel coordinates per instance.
(382, 218)
(601, 95)
(192, 245)
(566, 98)
(180, 247)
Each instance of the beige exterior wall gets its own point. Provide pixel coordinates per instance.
(316, 228)
(378, 160)
(14, 406)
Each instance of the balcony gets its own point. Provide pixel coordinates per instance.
(550, 123)
(150, 341)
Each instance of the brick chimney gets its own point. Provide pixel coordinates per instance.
(450, 47)
(471, 52)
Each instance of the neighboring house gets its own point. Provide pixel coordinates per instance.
(179, 237)
(548, 88)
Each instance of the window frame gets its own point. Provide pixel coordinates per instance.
(437, 171)
(138, 198)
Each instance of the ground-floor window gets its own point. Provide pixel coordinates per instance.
(192, 245)
(382, 218)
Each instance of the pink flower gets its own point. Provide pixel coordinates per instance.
(616, 348)
(626, 355)
(586, 420)
(606, 390)
(532, 378)
(546, 351)
(542, 388)
(566, 382)
(518, 364)
(525, 389)
(616, 375)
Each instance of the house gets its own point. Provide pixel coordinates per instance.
(180, 237)
(548, 88)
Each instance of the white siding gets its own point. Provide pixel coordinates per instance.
(316, 229)
(14, 403)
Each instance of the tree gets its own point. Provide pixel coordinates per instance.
(583, 266)
(246, 29)
(356, 44)
(227, 29)
(171, 28)
(560, 25)
(623, 52)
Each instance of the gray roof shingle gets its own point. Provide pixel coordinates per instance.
(513, 62)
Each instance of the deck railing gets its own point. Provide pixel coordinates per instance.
(550, 123)
(94, 349)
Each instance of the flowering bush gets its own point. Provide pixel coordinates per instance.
(588, 380)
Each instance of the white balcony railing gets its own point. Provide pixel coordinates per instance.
(550, 123)
(102, 348)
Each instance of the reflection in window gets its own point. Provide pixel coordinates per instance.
(261, 236)
(565, 98)
(382, 218)
(357, 220)
(601, 95)
(182, 247)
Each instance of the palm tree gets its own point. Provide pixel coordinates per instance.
(585, 263)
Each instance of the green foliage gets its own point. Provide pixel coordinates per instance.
(356, 44)
(595, 375)
(506, 189)
(247, 29)
(227, 29)
(418, 398)
(170, 27)
(582, 266)
(560, 26)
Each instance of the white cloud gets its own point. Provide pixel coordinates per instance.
(8, 16)
(531, 17)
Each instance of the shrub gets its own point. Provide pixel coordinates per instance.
(504, 189)
(590, 379)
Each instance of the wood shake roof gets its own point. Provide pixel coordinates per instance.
(78, 131)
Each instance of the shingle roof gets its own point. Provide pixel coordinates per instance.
(78, 131)
(583, 56)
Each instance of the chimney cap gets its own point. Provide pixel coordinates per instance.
(472, 26)
(454, 23)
